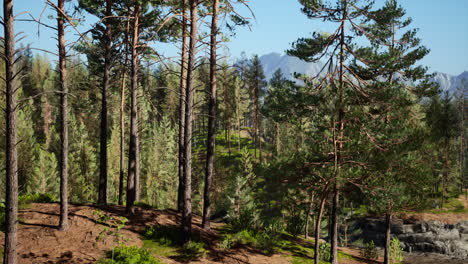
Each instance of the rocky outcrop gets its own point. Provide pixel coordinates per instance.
(423, 236)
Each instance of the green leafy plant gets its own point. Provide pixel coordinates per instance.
(193, 250)
(113, 225)
(324, 251)
(128, 255)
(165, 235)
(102, 217)
(369, 251)
(396, 251)
(295, 225)
(244, 237)
(2, 217)
(36, 198)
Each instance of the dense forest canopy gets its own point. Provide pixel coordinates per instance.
(111, 121)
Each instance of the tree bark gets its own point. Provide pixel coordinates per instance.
(318, 221)
(11, 155)
(212, 105)
(388, 222)
(309, 210)
(132, 156)
(182, 103)
(338, 142)
(122, 117)
(334, 227)
(187, 208)
(102, 189)
(63, 225)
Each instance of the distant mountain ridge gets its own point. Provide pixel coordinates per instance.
(289, 65)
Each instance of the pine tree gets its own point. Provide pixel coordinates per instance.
(257, 85)
(389, 65)
(11, 155)
(212, 118)
(63, 164)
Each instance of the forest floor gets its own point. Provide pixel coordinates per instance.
(454, 211)
(96, 230)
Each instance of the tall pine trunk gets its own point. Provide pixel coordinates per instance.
(182, 103)
(212, 105)
(309, 211)
(102, 195)
(338, 143)
(334, 227)
(187, 208)
(122, 116)
(318, 222)
(388, 222)
(11, 155)
(63, 164)
(132, 155)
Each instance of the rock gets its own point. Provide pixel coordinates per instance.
(422, 236)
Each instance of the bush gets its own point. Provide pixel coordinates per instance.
(369, 251)
(244, 237)
(295, 225)
(165, 235)
(129, 255)
(247, 219)
(194, 250)
(324, 251)
(2, 217)
(396, 252)
(266, 242)
(36, 198)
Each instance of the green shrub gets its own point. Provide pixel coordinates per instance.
(247, 219)
(193, 250)
(273, 227)
(2, 217)
(266, 243)
(244, 237)
(36, 198)
(324, 251)
(396, 251)
(129, 255)
(369, 251)
(165, 235)
(295, 225)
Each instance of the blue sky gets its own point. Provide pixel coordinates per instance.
(443, 28)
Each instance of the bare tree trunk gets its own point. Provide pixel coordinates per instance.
(338, 144)
(187, 208)
(102, 189)
(212, 105)
(182, 102)
(309, 210)
(11, 155)
(122, 117)
(132, 155)
(63, 225)
(334, 227)
(318, 221)
(388, 222)
(137, 153)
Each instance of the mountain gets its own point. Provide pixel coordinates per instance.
(449, 82)
(289, 65)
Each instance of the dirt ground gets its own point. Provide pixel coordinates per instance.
(90, 236)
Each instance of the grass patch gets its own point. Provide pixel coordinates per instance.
(129, 255)
(167, 241)
(452, 205)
